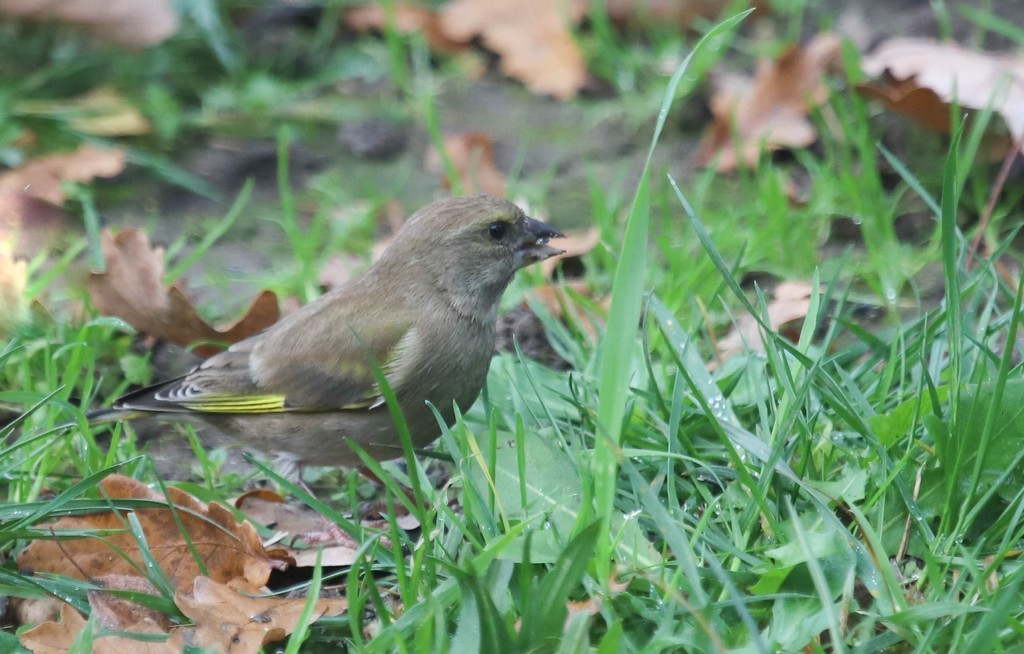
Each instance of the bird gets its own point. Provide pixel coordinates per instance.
(423, 314)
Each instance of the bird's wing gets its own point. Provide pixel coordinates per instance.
(288, 370)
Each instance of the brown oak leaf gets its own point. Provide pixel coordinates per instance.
(472, 156)
(922, 77)
(771, 111)
(227, 550)
(231, 618)
(132, 23)
(43, 178)
(132, 288)
(533, 38)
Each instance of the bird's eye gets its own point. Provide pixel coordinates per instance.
(497, 230)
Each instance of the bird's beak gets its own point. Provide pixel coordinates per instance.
(534, 246)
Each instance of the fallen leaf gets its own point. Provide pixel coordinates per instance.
(30, 225)
(132, 288)
(771, 112)
(113, 614)
(906, 97)
(228, 618)
(922, 77)
(13, 277)
(54, 637)
(132, 23)
(575, 244)
(646, 13)
(472, 157)
(43, 178)
(790, 302)
(267, 508)
(116, 613)
(532, 37)
(227, 550)
(405, 19)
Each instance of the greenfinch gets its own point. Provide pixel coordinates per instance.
(424, 314)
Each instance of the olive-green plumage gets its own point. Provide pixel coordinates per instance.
(425, 313)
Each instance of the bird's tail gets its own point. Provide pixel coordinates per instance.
(94, 418)
(107, 416)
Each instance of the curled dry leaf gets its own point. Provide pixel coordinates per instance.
(29, 224)
(228, 618)
(533, 38)
(132, 288)
(117, 613)
(296, 521)
(30, 195)
(472, 156)
(771, 112)
(112, 614)
(132, 23)
(790, 302)
(43, 178)
(643, 13)
(228, 550)
(299, 521)
(405, 19)
(922, 77)
(54, 637)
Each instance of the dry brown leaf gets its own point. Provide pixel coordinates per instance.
(790, 302)
(43, 178)
(115, 613)
(54, 637)
(472, 156)
(132, 23)
(228, 550)
(269, 509)
(906, 97)
(533, 38)
(660, 12)
(575, 244)
(772, 112)
(228, 619)
(30, 224)
(405, 19)
(922, 77)
(132, 288)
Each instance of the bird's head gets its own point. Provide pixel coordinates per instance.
(471, 247)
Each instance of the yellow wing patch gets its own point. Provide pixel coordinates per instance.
(237, 404)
